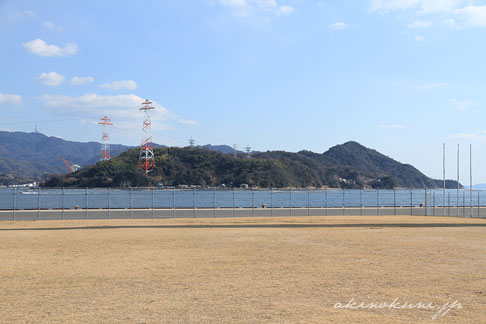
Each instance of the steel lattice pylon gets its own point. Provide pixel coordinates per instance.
(146, 159)
(105, 144)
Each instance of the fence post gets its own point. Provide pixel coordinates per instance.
(394, 201)
(14, 202)
(433, 201)
(479, 210)
(271, 201)
(131, 205)
(308, 202)
(109, 202)
(378, 202)
(463, 204)
(252, 202)
(38, 203)
(458, 202)
(173, 203)
(326, 203)
(86, 203)
(233, 201)
(361, 201)
(425, 201)
(214, 202)
(344, 203)
(194, 200)
(448, 204)
(62, 199)
(411, 202)
(290, 202)
(153, 202)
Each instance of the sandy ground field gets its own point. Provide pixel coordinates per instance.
(244, 270)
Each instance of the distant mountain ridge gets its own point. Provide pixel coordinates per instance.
(349, 165)
(32, 156)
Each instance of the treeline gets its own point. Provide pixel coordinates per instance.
(197, 166)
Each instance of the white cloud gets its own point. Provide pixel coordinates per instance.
(41, 48)
(52, 79)
(81, 80)
(419, 38)
(472, 15)
(450, 22)
(338, 26)
(422, 6)
(394, 126)
(433, 85)
(246, 7)
(420, 24)
(458, 13)
(117, 107)
(481, 136)
(20, 14)
(233, 3)
(49, 25)
(123, 110)
(284, 10)
(120, 85)
(462, 104)
(11, 99)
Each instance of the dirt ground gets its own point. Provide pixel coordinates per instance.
(244, 270)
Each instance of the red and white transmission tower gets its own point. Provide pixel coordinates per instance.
(146, 160)
(105, 145)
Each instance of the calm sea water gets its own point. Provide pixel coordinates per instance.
(167, 198)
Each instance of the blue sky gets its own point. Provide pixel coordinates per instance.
(398, 76)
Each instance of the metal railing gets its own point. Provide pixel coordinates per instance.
(106, 203)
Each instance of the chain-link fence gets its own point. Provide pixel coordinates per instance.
(106, 203)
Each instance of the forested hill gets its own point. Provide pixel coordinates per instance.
(34, 155)
(26, 157)
(350, 165)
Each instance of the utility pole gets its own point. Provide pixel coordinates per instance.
(443, 177)
(191, 142)
(457, 203)
(248, 151)
(105, 144)
(146, 159)
(470, 177)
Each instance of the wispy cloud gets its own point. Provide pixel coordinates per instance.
(120, 108)
(50, 26)
(246, 7)
(455, 13)
(462, 104)
(14, 15)
(284, 10)
(338, 26)
(393, 126)
(11, 99)
(51, 79)
(420, 24)
(432, 86)
(120, 85)
(77, 80)
(41, 48)
(419, 38)
(421, 6)
(480, 136)
(472, 15)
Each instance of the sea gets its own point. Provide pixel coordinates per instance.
(35, 198)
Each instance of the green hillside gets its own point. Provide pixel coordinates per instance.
(344, 167)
